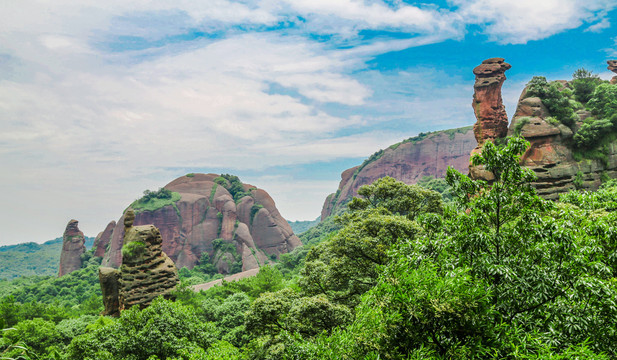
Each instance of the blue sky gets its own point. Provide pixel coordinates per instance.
(102, 100)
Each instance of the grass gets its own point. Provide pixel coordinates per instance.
(155, 203)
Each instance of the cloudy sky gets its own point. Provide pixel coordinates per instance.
(100, 100)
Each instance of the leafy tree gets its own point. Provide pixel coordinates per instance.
(584, 83)
(554, 97)
(603, 102)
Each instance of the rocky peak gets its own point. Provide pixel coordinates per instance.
(237, 224)
(492, 120)
(73, 246)
(428, 154)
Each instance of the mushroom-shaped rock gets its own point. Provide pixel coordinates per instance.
(612, 66)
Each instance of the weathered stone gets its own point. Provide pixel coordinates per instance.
(146, 271)
(189, 228)
(408, 162)
(492, 120)
(73, 246)
(103, 239)
(109, 279)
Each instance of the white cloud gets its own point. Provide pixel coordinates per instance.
(599, 26)
(517, 22)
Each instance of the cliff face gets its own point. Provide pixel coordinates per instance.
(550, 154)
(249, 230)
(73, 247)
(409, 161)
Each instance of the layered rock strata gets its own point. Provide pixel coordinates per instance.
(146, 271)
(550, 153)
(409, 161)
(492, 120)
(250, 230)
(73, 246)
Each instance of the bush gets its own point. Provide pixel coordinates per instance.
(603, 103)
(555, 97)
(584, 83)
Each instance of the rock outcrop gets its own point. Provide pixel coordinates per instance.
(550, 153)
(73, 247)
(206, 219)
(425, 155)
(612, 66)
(492, 120)
(103, 239)
(146, 272)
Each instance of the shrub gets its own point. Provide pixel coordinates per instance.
(584, 83)
(555, 97)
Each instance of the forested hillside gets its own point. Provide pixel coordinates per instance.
(30, 259)
(497, 272)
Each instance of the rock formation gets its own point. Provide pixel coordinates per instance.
(103, 239)
(250, 231)
(109, 278)
(492, 120)
(73, 247)
(409, 161)
(612, 66)
(550, 153)
(146, 272)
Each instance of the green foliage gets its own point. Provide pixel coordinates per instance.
(254, 209)
(233, 184)
(154, 200)
(555, 97)
(578, 180)
(190, 175)
(163, 329)
(37, 334)
(205, 265)
(30, 259)
(133, 249)
(519, 125)
(584, 83)
(591, 132)
(397, 197)
(603, 102)
(298, 227)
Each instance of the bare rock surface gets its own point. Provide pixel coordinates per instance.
(409, 161)
(73, 246)
(205, 212)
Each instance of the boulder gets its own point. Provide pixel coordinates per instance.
(109, 278)
(103, 239)
(73, 246)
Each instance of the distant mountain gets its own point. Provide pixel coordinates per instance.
(30, 258)
(299, 227)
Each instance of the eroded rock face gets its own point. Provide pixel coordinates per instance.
(109, 278)
(612, 66)
(146, 271)
(550, 154)
(103, 239)
(73, 247)
(408, 162)
(492, 120)
(205, 212)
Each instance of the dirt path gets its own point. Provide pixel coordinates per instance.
(234, 277)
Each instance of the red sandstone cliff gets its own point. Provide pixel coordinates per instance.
(409, 161)
(205, 212)
(73, 247)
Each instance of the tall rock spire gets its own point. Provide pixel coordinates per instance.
(487, 103)
(72, 247)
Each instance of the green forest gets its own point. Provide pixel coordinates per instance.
(483, 271)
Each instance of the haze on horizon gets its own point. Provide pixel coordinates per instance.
(100, 101)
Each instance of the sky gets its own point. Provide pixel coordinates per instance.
(101, 100)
